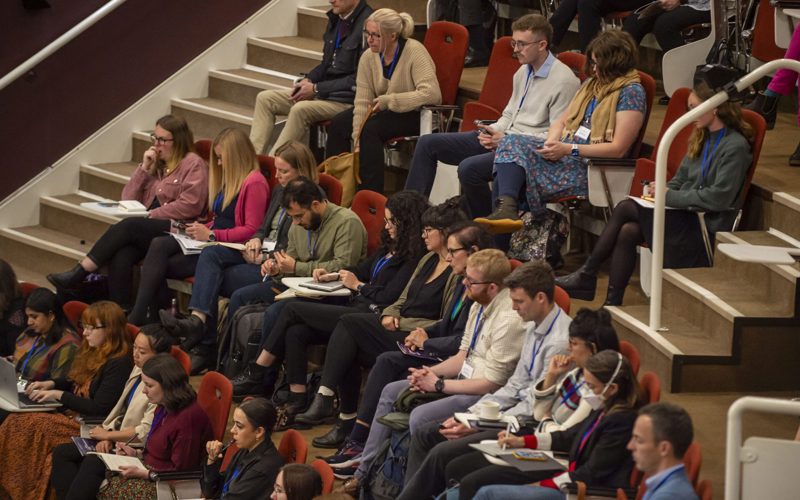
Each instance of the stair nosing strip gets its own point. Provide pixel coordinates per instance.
(92, 196)
(230, 77)
(311, 11)
(104, 174)
(661, 343)
(270, 72)
(141, 135)
(78, 210)
(785, 237)
(787, 200)
(286, 49)
(707, 296)
(208, 110)
(42, 244)
(787, 272)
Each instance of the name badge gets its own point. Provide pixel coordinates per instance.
(583, 133)
(268, 245)
(466, 370)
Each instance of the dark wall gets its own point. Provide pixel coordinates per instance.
(96, 76)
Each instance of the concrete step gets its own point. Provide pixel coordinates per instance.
(207, 116)
(64, 213)
(312, 21)
(106, 179)
(242, 85)
(287, 54)
(786, 213)
(41, 248)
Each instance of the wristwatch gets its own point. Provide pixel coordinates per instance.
(439, 385)
(575, 151)
(152, 476)
(211, 236)
(316, 92)
(359, 287)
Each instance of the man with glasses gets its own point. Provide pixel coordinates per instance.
(326, 90)
(542, 89)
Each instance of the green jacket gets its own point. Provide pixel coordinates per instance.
(340, 241)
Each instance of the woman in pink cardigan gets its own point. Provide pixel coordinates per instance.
(172, 182)
(238, 194)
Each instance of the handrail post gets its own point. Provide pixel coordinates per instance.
(661, 175)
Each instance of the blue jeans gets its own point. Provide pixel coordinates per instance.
(509, 492)
(220, 271)
(259, 292)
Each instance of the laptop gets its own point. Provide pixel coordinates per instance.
(12, 400)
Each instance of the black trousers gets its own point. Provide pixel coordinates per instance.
(590, 13)
(164, 260)
(381, 127)
(666, 27)
(356, 342)
(472, 471)
(389, 367)
(121, 248)
(75, 477)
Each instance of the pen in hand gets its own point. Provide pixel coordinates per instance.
(508, 430)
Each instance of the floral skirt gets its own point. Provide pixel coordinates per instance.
(129, 489)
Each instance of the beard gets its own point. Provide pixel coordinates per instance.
(315, 222)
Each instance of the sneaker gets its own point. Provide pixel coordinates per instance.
(346, 472)
(347, 455)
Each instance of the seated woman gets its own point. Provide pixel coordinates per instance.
(359, 338)
(603, 120)
(590, 17)
(172, 182)
(377, 282)
(395, 78)
(667, 25)
(297, 482)
(240, 195)
(597, 446)
(46, 349)
(12, 309)
(175, 441)
(222, 271)
(129, 420)
(93, 386)
(710, 177)
(253, 469)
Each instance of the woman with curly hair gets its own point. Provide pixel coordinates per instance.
(94, 384)
(376, 282)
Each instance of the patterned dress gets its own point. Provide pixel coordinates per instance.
(550, 180)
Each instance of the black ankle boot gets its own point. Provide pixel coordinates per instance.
(321, 409)
(68, 280)
(766, 106)
(336, 436)
(192, 328)
(251, 381)
(794, 160)
(614, 296)
(579, 285)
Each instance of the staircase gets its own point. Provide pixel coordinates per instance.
(66, 231)
(731, 327)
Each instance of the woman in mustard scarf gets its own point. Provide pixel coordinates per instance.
(602, 120)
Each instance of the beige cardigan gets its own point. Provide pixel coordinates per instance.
(412, 86)
(139, 413)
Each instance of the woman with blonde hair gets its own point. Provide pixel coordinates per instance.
(239, 194)
(710, 177)
(172, 182)
(395, 78)
(93, 386)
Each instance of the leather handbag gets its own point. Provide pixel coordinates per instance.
(345, 167)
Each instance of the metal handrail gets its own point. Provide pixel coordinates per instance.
(59, 42)
(661, 174)
(733, 457)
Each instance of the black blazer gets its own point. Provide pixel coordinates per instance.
(104, 391)
(276, 197)
(388, 284)
(257, 472)
(444, 336)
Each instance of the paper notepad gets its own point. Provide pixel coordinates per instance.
(114, 462)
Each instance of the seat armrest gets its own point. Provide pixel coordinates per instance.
(610, 162)
(441, 107)
(600, 491)
(180, 475)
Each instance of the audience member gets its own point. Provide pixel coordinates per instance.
(297, 482)
(94, 384)
(129, 421)
(596, 447)
(240, 195)
(710, 177)
(590, 15)
(12, 309)
(376, 282)
(667, 24)
(46, 349)
(395, 78)
(661, 435)
(326, 90)
(471, 16)
(551, 85)
(359, 338)
(253, 468)
(440, 340)
(172, 182)
(222, 271)
(603, 120)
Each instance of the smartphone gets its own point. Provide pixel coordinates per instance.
(530, 455)
(483, 124)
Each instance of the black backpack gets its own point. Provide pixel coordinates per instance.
(241, 339)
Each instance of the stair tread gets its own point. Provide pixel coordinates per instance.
(57, 237)
(220, 104)
(298, 42)
(125, 168)
(74, 198)
(762, 238)
(258, 75)
(683, 334)
(31, 276)
(734, 291)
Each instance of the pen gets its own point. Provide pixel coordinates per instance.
(508, 430)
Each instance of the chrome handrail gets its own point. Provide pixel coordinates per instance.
(661, 174)
(59, 42)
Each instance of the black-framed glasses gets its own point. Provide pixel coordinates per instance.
(427, 230)
(89, 327)
(469, 282)
(452, 251)
(368, 34)
(160, 140)
(516, 44)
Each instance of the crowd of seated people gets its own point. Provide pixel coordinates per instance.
(438, 315)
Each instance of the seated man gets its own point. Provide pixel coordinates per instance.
(551, 86)
(326, 90)
(673, 17)
(661, 435)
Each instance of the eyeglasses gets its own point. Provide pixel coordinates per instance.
(469, 282)
(298, 217)
(427, 230)
(452, 251)
(369, 34)
(160, 140)
(516, 44)
(89, 328)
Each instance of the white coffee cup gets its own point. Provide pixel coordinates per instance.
(489, 410)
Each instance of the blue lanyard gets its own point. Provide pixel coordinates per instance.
(379, 264)
(476, 332)
(570, 393)
(312, 250)
(706, 165)
(233, 477)
(590, 110)
(660, 484)
(338, 34)
(159, 416)
(217, 207)
(133, 390)
(527, 82)
(32, 353)
(394, 60)
(280, 216)
(538, 346)
(457, 306)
